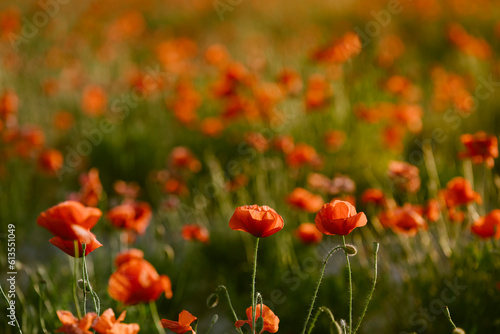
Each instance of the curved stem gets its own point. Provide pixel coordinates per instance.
(332, 319)
(212, 323)
(86, 283)
(156, 317)
(222, 287)
(448, 315)
(350, 285)
(317, 286)
(253, 284)
(376, 246)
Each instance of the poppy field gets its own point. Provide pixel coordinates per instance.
(236, 166)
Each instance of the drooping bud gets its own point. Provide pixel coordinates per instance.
(81, 285)
(212, 300)
(351, 250)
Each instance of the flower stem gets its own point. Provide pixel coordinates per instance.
(332, 319)
(84, 289)
(317, 286)
(375, 246)
(253, 284)
(75, 269)
(448, 315)
(350, 285)
(86, 283)
(222, 287)
(156, 317)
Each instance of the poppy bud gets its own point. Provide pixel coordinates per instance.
(87, 285)
(351, 250)
(259, 324)
(212, 300)
(458, 331)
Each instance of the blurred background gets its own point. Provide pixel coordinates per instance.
(196, 107)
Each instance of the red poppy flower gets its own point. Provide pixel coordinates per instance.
(271, 320)
(339, 218)
(91, 190)
(63, 120)
(488, 226)
(195, 232)
(346, 198)
(432, 210)
(71, 324)
(318, 92)
(108, 324)
(404, 176)
(50, 161)
(182, 326)
(182, 158)
(216, 54)
(9, 104)
(94, 100)
(406, 219)
(334, 140)
(237, 182)
(303, 154)
(308, 233)
(375, 196)
(480, 148)
(128, 255)
(131, 215)
(257, 141)
(212, 126)
(319, 182)
(137, 281)
(459, 192)
(260, 221)
(82, 236)
(284, 143)
(128, 190)
(290, 81)
(341, 50)
(60, 219)
(305, 200)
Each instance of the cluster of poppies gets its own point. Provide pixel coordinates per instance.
(137, 281)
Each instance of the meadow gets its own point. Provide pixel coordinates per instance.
(250, 166)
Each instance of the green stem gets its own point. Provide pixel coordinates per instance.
(212, 323)
(253, 284)
(41, 295)
(375, 271)
(448, 315)
(222, 287)
(350, 284)
(332, 319)
(317, 287)
(156, 317)
(84, 289)
(75, 293)
(8, 303)
(86, 283)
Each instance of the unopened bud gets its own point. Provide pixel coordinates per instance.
(80, 284)
(351, 250)
(212, 300)
(169, 252)
(458, 331)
